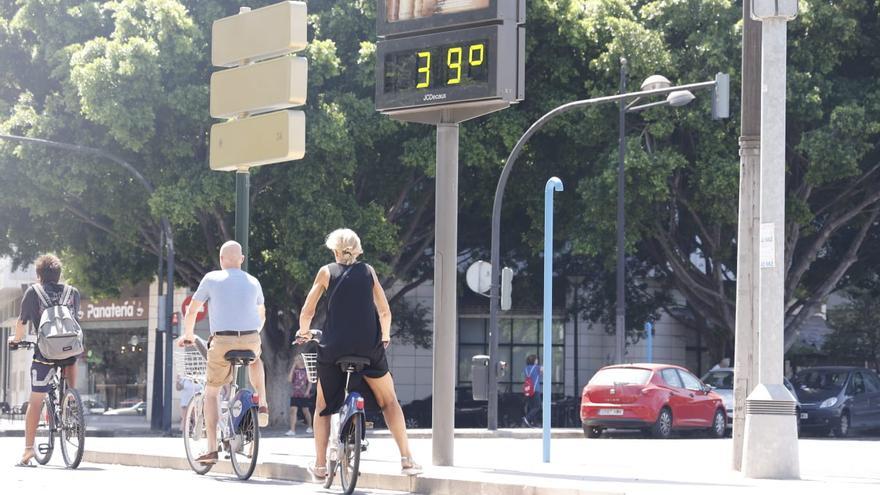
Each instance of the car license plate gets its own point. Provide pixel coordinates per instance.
(610, 412)
(804, 416)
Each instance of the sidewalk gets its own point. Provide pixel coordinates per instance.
(96, 426)
(499, 465)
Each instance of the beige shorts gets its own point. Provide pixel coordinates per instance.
(219, 369)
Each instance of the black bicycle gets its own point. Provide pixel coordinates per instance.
(61, 415)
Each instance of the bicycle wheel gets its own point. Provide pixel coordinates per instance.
(73, 429)
(44, 443)
(195, 434)
(245, 445)
(350, 455)
(331, 473)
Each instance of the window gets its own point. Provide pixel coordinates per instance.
(812, 381)
(621, 376)
(872, 383)
(856, 385)
(719, 379)
(671, 378)
(690, 381)
(517, 339)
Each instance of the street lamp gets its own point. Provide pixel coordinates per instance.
(720, 110)
(161, 417)
(677, 98)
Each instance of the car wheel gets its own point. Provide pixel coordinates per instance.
(592, 431)
(842, 429)
(663, 426)
(719, 425)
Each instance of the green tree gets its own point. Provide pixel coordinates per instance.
(856, 336)
(130, 77)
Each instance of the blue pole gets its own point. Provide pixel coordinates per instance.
(649, 329)
(554, 184)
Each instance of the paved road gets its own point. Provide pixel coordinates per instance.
(95, 479)
(632, 466)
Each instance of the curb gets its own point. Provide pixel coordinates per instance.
(476, 433)
(515, 433)
(395, 482)
(97, 433)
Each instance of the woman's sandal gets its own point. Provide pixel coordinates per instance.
(319, 473)
(25, 460)
(409, 467)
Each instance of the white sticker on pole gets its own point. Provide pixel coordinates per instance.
(768, 245)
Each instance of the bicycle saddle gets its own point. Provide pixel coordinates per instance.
(240, 356)
(355, 363)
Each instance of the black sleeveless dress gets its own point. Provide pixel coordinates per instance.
(352, 329)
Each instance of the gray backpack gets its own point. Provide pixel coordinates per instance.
(59, 335)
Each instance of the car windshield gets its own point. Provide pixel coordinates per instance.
(820, 380)
(621, 376)
(719, 379)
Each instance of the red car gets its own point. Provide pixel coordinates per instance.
(655, 398)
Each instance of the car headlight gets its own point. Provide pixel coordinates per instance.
(828, 402)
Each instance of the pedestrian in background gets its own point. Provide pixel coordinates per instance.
(300, 394)
(532, 374)
(188, 389)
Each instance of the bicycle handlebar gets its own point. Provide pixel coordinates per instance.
(21, 344)
(316, 337)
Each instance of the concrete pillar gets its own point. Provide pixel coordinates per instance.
(771, 445)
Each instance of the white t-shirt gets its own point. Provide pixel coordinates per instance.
(190, 388)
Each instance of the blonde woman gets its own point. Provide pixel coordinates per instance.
(358, 323)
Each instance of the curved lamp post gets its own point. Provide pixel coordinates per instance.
(494, 298)
(164, 321)
(674, 98)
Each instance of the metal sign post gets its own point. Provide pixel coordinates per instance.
(440, 65)
(264, 78)
(255, 94)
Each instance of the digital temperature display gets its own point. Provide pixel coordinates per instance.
(438, 67)
(448, 67)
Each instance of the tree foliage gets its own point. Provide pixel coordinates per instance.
(131, 77)
(855, 338)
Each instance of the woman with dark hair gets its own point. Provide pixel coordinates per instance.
(358, 323)
(532, 389)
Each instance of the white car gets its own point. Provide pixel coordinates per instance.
(138, 409)
(721, 381)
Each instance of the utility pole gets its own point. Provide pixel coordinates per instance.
(770, 447)
(745, 367)
(620, 320)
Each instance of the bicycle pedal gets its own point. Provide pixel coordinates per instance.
(43, 448)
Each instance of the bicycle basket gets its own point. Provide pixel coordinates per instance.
(311, 361)
(190, 363)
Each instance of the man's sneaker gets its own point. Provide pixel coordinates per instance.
(290, 433)
(526, 422)
(309, 430)
(263, 416)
